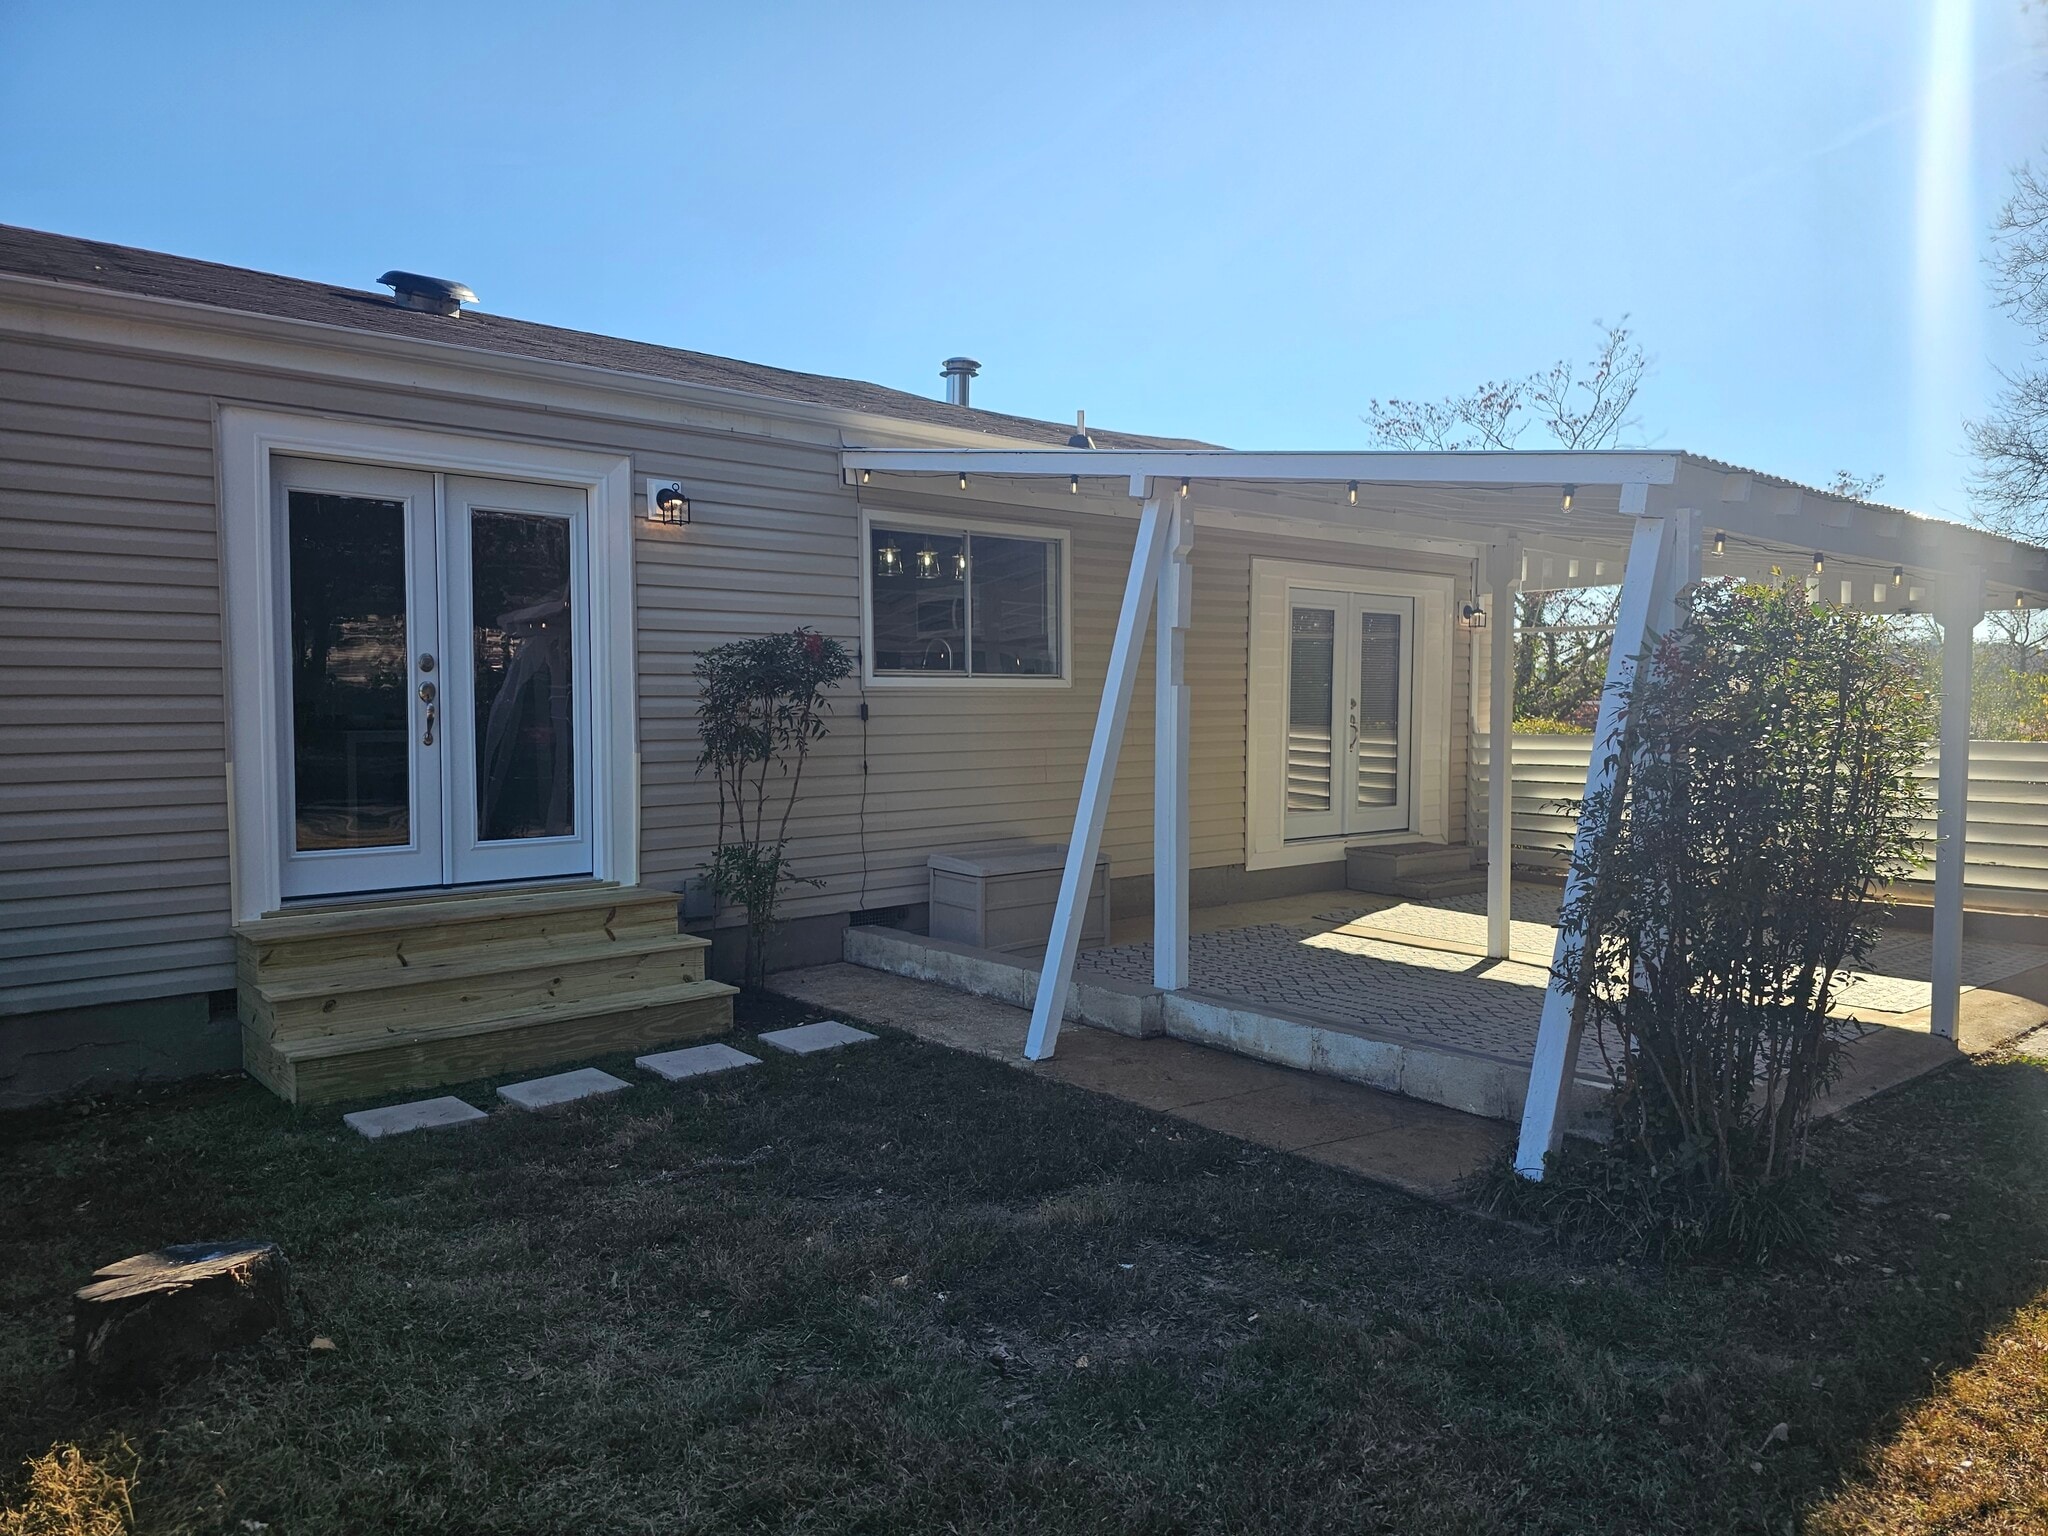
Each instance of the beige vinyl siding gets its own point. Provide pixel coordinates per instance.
(113, 804)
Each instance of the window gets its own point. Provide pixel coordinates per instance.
(947, 601)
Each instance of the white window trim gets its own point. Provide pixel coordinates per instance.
(1429, 797)
(925, 522)
(248, 439)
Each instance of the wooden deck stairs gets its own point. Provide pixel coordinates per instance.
(345, 1002)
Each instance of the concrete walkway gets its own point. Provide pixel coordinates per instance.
(1422, 1148)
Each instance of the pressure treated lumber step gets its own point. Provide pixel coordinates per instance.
(1417, 871)
(398, 934)
(467, 987)
(386, 996)
(536, 1035)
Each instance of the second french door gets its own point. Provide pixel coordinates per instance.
(1349, 708)
(435, 717)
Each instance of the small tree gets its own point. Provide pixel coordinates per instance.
(1764, 792)
(760, 710)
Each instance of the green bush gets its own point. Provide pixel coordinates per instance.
(1763, 796)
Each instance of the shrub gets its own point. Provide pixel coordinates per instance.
(1764, 794)
(760, 711)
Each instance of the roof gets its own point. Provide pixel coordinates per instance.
(152, 274)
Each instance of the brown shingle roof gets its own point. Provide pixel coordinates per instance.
(126, 269)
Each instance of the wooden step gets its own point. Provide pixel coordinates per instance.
(473, 986)
(398, 934)
(540, 1034)
(1379, 868)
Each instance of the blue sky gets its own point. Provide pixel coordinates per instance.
(1237, 223)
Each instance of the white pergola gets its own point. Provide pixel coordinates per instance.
(1655, 521)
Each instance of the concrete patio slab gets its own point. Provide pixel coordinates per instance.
(695, 1061)
(561, 1088)
(809, 1039)
(419, 1115)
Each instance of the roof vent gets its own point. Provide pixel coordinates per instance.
(435, 295)
(1080, 439)
(957, 371)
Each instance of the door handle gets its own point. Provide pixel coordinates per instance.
(428, 739)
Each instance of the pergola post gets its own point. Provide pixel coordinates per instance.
(1115, 710)
(1173, 700)
(1503, 572)
(1960, 605)
(1557, 1036)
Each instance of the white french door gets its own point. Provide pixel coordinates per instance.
(1349, 740)
(435, 714)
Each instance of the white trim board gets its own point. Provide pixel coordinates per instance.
(248, 438)
(1266, 845)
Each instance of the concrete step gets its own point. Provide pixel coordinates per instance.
(538, 1034)
(1378, 869)
(1431, 887)
(313, 1003)
(398, 935)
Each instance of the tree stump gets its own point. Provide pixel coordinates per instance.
(145, 1321)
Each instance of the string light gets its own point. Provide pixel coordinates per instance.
(1353, 491)
(1183, 487)
(1898, 576)
(963, 479)
(865, 477)
(1564, 503)
(1819, 565)
(1720, 545)
(1073, 485)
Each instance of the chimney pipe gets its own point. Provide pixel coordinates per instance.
(957, 372)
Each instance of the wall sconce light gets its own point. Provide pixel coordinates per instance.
(1472, 616)
(1564, 502)
(668, 504)
(927, 562)
(889, 558)
(1720, 545)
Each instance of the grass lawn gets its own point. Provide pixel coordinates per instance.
(896, 1288)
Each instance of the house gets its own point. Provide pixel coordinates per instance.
(349, 638)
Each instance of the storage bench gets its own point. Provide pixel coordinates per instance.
(1002, 897)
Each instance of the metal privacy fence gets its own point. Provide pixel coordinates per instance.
(2008, 827)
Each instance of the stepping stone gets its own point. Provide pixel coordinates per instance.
(805, 1039)
(695, 1061)
(420, 1115)
(562, 1088)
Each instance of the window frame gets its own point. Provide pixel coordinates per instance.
(872, 517)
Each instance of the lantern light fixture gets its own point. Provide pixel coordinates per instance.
(1472, 616)
(889, 558)
(926, 566)
(668, 504)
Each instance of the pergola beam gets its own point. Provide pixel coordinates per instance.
(1118, 685)
(1960, 607)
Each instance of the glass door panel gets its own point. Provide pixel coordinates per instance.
(361, 791)
(1313, 711)
(518, 695)
(1381, 744)
(522, 656)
